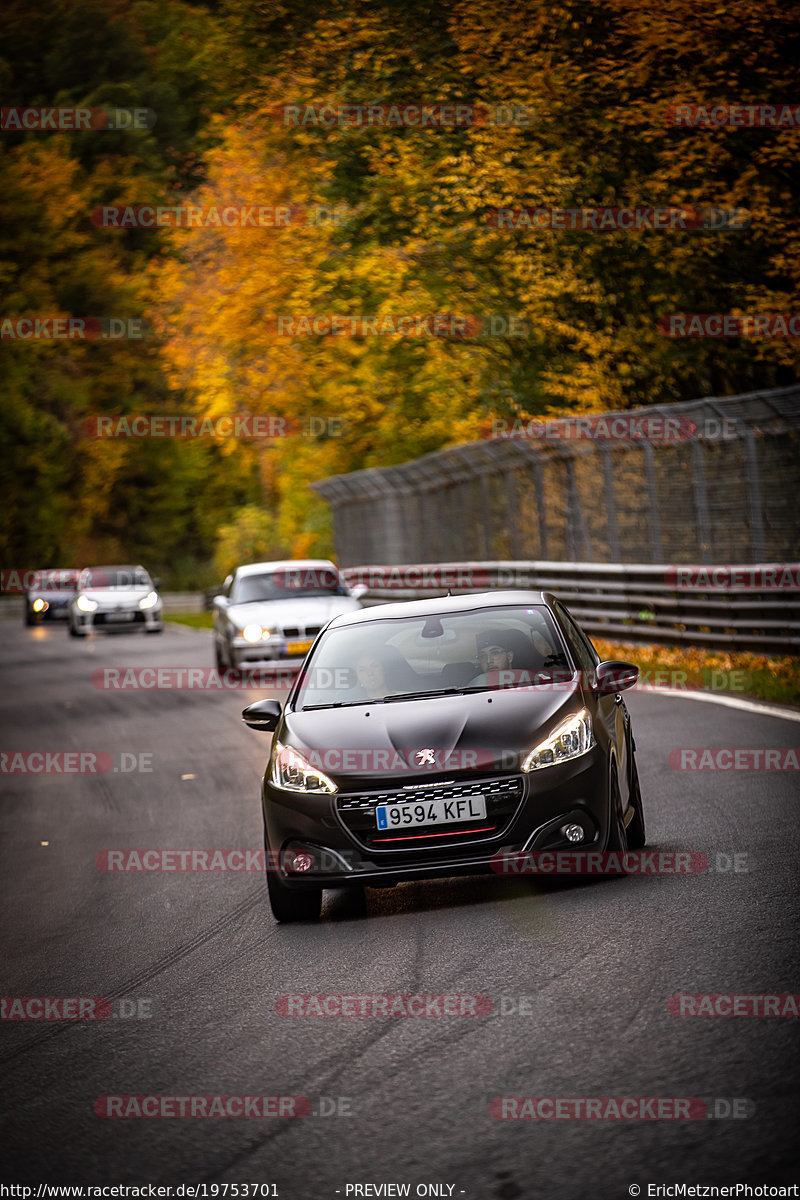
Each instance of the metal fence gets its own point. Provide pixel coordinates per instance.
(754, 609)
(727, 493)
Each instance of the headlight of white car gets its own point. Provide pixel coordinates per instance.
(572, 738)
(290, 771)
(85, 604)
(255, 633)
(149, 601)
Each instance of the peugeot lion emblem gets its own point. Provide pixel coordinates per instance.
(425, 758)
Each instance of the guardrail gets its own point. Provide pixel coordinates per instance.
(750, 608)
(753, 607)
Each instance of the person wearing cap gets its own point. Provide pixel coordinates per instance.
(495, 651)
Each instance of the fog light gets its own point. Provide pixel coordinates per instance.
(302, 861)
(573, 833)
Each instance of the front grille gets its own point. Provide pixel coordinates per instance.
(502, 796)
(294, 631)
(112, 618)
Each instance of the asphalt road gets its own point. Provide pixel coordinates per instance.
(592, 966)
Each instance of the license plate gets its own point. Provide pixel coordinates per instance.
(298, 647)
(430, 812)
(121, 616)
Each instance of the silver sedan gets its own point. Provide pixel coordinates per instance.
(269, 613)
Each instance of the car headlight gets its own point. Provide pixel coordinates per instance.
(40, 605)
(149, 601)
(85, 604)
(290, 771)
(572, 738)
(254, 633)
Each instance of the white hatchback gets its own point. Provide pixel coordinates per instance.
(114, 599)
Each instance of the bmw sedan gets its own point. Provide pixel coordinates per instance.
(269, 613)
(115, 598)
(433, 738)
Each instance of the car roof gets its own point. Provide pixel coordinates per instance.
(113, 567)
(441, 605)
(284, 564)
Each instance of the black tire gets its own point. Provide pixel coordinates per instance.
(79, 633)
(617, 833)
(218, 659)
(30, 619)
(159, 630)
(637, 836)
(288, 905)
(234, 672)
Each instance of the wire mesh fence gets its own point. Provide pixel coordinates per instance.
(723, 490)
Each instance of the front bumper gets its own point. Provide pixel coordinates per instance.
(573, 792)
(271, 650)
(117, 619)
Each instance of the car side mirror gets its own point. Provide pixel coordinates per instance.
(358, 590)
(219, 601)
(155, 580)
(263, 715)
(615, 676)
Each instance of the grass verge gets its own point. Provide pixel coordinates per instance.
(198, 620)
(774, 679)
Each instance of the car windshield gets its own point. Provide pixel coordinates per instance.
(476, 650)
(114, 577)
(288, 584)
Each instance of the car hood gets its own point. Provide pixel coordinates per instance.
(309, 610)
(498, 727)
(52, 593)
(117, 597)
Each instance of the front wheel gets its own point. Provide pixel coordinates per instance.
(637, 838)
(73, 632)
(288, 905)
(617, 833)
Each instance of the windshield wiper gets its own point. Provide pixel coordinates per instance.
(336, 704)
(453, 691)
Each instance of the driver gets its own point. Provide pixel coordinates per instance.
(495, 650)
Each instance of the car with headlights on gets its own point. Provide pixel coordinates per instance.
(424, 739)
(269, 613)
(48, 599)
(115, 598)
